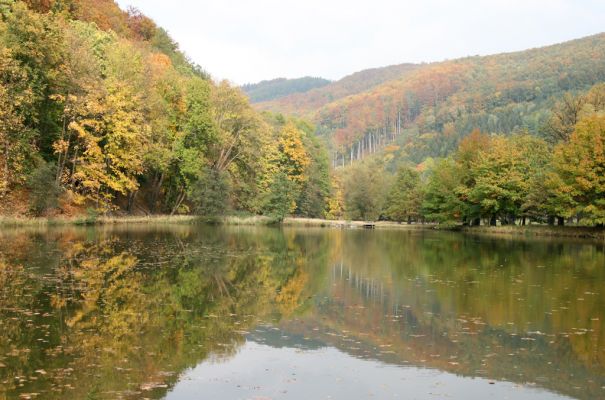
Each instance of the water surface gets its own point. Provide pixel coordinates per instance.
(188, 312)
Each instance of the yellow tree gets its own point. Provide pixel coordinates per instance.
(81, 90)
(293, 157)
(578, 179)
(113, 134)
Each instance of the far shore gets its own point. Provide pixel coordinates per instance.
(191, 219)
(529, 230)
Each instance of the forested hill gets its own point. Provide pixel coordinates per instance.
(427, 109)
(306, 104)
(280, 87)
(101, 112)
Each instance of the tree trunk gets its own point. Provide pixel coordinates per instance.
(157, 185)
(73, 166)
(477, 222)
(492, 221)
(62, 157)
(523, 222)
(560, 221)
(4, 184)
(131, 198)
(551, 220)
(178, 202)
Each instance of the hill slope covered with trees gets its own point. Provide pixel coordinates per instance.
(502, 139)
(427, 109)
(100, 110)
(280, 87)
(306, 104)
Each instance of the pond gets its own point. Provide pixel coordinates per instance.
(196, 312)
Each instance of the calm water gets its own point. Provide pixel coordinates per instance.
(258, 313)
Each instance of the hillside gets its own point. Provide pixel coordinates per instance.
(280, 87)
(306, 104)
(100, 112)
(427, 109)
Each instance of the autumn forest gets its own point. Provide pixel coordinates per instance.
(102, 113)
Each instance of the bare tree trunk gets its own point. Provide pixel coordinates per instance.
(73, 165)
(180, 199)
(157, 185)
(62, 154)
(399, 122)
(4, 184)
(131, 198)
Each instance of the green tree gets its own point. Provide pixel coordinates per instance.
(280, 200)
(190, 158)
(365, 189)
(440, 202)
(211, 194)
(405, 198)
(44, 189)
(503, 174)
(16, 139)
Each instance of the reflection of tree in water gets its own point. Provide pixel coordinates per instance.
(123, 320)
(515, 310)
(111, 314)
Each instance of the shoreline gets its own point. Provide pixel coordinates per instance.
(578, 232)
(253, 220)
(17, 222)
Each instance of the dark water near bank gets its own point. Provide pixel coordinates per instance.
(256, 313)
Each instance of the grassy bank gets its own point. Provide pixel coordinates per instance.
(251, 220)
(257, 220)
(539, 230)
(90, 220)
(312, 222)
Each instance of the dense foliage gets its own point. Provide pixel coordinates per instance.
(99, 109)
(497, 178)
(280, 87)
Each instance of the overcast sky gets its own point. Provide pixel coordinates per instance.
(251, 40)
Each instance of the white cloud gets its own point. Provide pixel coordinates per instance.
(246, 41)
